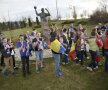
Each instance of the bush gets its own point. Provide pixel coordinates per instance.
(68, 22)
(82, 21)
(99, 16)
(37, 26)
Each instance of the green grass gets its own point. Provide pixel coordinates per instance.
(14, 34)
(75, 78)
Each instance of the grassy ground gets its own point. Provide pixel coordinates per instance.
(75, 78)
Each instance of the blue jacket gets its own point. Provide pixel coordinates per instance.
(24, 46)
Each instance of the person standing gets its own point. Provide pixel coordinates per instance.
(7, 57)
(56, 56)
(93, 51)
(106, 50)
(65, 44)
(23, 47)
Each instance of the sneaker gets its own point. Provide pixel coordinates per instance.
(14, 74)
(79, 60)
(67, 63)
(63, 63)
(5, 74)
(89, 68)
(87, 58)
(97, 67)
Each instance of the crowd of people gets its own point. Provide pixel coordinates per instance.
(85, 44)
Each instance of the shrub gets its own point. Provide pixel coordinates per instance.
(82, 21)
(68, 22)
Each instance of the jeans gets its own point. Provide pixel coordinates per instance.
(93, 63)
(25, 64)
(57, 64)
(80, 56)
(106, 64)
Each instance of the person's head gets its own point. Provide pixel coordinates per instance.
(39, 35)
(5, 40)
(9, 41)
(28, 32)
(100, 24)
(42, 10)
(64, 30)
(21, 37)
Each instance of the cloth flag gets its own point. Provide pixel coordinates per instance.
(57, 47)
(72, 53)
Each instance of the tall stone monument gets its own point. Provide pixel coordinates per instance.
(44, 21)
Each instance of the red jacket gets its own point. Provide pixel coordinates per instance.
(106, 43)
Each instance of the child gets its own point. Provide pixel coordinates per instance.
(13, 55)
(7, 58)
(80, 48)
(106, 51)
(23, 47)
(65, 44)
(93, 51)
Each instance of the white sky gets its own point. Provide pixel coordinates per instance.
(18, 8)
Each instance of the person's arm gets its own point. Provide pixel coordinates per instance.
(38, 14)
(48, 14)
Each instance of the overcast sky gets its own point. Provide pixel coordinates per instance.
(15, 9)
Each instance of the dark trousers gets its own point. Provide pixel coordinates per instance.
(85, 54)
(80, 55)
(93, 63)
(2, 60)
(25, 64)
(106, 64)
(65, 58)
(13, 58)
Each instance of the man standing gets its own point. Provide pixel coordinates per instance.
(22, 45)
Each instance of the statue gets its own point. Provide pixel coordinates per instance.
(44, 21)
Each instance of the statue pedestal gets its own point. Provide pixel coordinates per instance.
(45, 30)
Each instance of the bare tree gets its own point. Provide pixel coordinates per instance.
(103, 4)
(74, 13)
(81, 15)
(85, 13)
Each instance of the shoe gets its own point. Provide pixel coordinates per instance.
(79, 60)
(16, 68)
(5, 74)
(63, 63)
(67, 63)
(97, 67)
(87, 58)
(89, 68)
(14, 74)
